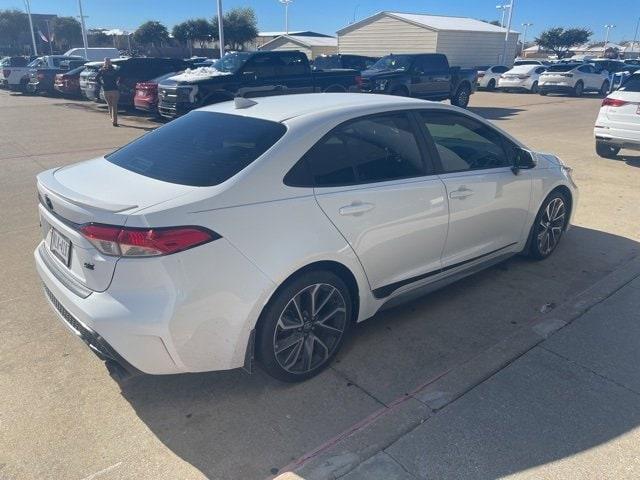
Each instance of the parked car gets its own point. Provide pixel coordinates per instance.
(146, 97)
(488, 76)
(94, 54)
(68, 83)
(610, 66)
(249, 74)
(272, 226)
(420, 75)
(517, 63)
(618, 122)
(574, 79)
(343, 60)
(20, 75)
(521, 78)
(41, 80)
(11, 70)
(130, 71)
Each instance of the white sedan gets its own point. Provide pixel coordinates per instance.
(521, 78)
(618, 122)
(574, 79)
(488, 76)
(270, 227)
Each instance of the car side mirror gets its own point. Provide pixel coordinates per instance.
(524, 160)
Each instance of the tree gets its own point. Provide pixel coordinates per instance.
(14, 30)
(67, 32)
(151, 33)
(98, 38)
(559, 41)
(240, 27)
(193, 30)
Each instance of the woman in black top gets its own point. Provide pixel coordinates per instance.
(108, 78)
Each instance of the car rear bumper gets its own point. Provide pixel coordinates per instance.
(166, 315)
(557, 88)
(618, 137)
(145, 105)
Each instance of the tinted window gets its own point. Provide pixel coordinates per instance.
(561, 67)
(585, 69)
(262, 66)
(632, 84)
(199, 149)
(431, 63)
(368, 150)
(464, 143)
(291, 64)
(540, 70)
(500, 69)
(324, 62)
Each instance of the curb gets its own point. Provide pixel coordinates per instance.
(344, 452)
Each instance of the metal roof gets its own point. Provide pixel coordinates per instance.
(436, 23)
(306, 41)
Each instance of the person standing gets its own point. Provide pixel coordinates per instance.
(108, 79)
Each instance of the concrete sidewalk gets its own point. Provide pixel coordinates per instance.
(567, 406)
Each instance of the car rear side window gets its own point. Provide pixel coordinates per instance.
(200, 149)
(368, 150)
(632, 84)
(465, 144)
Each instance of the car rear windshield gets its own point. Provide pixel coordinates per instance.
(328, 62)
(561, 68)
(200, 149)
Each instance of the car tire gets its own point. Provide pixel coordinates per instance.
(491, 86)
(604, 89)
(605, 150)
(549, 225)
(295, 343)
(543, 93)
(461, 97)
(578, 89)
(534, 88)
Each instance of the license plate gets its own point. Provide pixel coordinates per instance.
(60, 246)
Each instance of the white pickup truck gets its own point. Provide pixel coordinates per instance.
(16, 78)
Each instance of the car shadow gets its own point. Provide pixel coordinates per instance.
(235, 425)
(495, 113)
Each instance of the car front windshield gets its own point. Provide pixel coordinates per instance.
(232, 62)
(393, 62)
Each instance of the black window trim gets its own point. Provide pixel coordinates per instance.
(428, 166)
(439, 169)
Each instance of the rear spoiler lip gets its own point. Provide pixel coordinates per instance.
(48, 182)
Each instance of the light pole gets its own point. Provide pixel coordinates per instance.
(286, 4)
(84, 31)
(27, 5)
(220, 29)
(606, 38)
(524, 35)
(504, 9)
(506, 35)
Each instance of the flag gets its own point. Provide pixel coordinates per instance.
(43, 36)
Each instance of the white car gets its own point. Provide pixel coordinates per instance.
(618, 122)
(272, 226)
(574, 79)
(521, 77)
(488, 76)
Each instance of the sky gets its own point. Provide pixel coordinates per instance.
(327, 16)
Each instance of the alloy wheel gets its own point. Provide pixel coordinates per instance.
(551, 226)
(309, 328)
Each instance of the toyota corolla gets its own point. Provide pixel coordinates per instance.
(269, 227)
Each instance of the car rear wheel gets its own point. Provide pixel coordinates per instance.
(304, 326)
(550, 224)
(491, 86)
(534, 87)
(606, 151)
(578, 89)
(461, 97)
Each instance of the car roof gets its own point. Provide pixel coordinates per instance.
(525, 68)
(281, 108)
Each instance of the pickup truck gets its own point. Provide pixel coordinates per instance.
(41, 80)
(249, 74)
(421, 75)
(19, 77)
(10, 70)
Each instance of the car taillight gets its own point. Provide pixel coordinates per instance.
(613, 102)
(569, 75)
(6, 72)
(145, 242)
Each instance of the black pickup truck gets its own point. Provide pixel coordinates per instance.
(249, 74)
(421, 75)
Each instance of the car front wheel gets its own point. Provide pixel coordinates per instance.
(606, 151)
(550, 224)
(304, 326)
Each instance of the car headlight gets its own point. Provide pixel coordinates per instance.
(382, 84)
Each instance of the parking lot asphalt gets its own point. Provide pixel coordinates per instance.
(62, 416)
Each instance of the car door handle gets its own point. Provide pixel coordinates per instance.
(356, 208)
(461, 193)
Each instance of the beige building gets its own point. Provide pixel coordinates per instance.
(466, 42)
(311, 46)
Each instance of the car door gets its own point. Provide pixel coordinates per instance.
(372, 182)
(294, 72)
(430, 77)
(587, 75)
(488, 203)
(259, 78)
